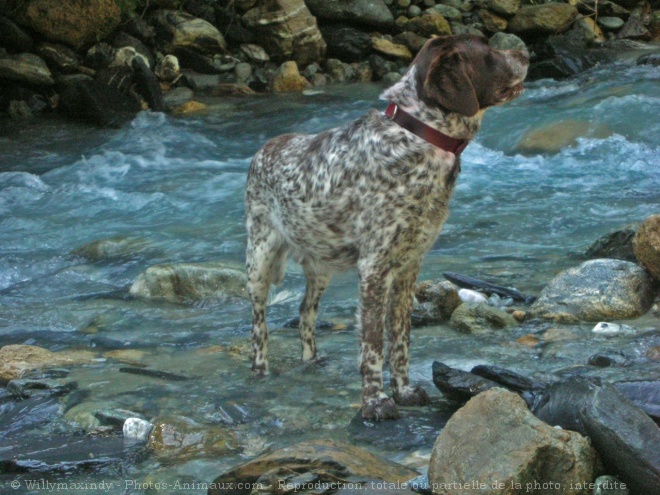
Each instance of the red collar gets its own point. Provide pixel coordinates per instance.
(425, 131)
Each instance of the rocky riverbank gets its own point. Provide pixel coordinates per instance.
(101, 62)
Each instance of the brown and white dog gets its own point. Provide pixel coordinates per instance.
(373, 194)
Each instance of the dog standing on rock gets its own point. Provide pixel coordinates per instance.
(373, 194)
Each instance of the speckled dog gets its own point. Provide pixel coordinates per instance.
(373, 194)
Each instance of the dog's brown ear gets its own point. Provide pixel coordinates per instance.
(448, 83)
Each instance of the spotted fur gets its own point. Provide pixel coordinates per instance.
(371, 195)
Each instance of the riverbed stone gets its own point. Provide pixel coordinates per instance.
(506, 41)
(190, 281)
(495, 437)
(346, 43)
(391, 50)
(476, 318)
(76, 23)
(116, 247)
(361, 12)
(288, 79)
(180, 438)
(168, 68)
(16, 360)
(179, 29)
(646, 245)
(254, 53)
(597, 290)
(328, 460)
(617, 244)
(287, 30)
(504, 7)
(430, 23)
(493, 23)
(555, 136)
(26, 68)
(59, 57)
(544, 19)
(435, 302)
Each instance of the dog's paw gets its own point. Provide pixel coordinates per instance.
(380, 409)
(411, 396)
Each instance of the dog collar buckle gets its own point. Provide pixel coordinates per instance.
(425, 131)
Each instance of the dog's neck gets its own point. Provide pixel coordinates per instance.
(404, 93)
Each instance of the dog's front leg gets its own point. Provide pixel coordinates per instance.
(375, 283)
(398, 325)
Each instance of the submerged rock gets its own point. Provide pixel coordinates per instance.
(16, 360)
(646, 245)
(181, 439)
(626, 438)
(495, 437)
(327, 460)
(113, 248)
(617, 244)
(602, 289)
(478, 318)
(190, 282)
(559, 135)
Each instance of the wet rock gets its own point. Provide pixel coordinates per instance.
(190, 281)
(603, 360)
(190, 107)
(624, 436)
(554, 137)
(25, 68)
(617, 244)
(646, 245)
(76, 23)
(610, 23)
(361, 12)
(168, 68)
(112, 248)
(243, 72)
(493, 23)
(133, 357)
(645, 394)
(587, 31)
(508, 443)
(98, 104)
(459, 385)
(114, 417)
(30, 387)
(287, 30)
(288, 79)
(649, 59)
(413, 41)
(505, 7)
(508, 379)
(544, 19)
(15, 360)
(338, 70)
(179, 438)
(506, 41)
(147, 85)
(610, 485)
(18, 417)
(177, 97)
(634, 29)
(254, 53)
(13, 37)
(477, 318)
(437, 301)
(346, 43)
(448, 12)
(606, 328)
(472, 296)
(100, 56)
(124, 57)
(430, 23)
(84, 415)
(59, 58)
(327, 459)
(194, 60)
(137, 429)
(602, 289)
(179, 29)
(391, 50)
(124, 40)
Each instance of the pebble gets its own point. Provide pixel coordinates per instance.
(137, 429)
(469, 295)
(606, 328)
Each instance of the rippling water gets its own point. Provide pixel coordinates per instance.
(176, 185)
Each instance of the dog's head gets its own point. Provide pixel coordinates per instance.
(463, 74)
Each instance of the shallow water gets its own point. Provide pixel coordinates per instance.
(176, 186)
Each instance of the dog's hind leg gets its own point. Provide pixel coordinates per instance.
(265, 261)
(375, 283)
(317, 282)
(398, 326)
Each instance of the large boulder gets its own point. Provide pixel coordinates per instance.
(544, 19)
(646, 245)
(597, 290)
(190, 282)
(495, 445)
(362, 12)
(287, 30)
(76, 23)
(179, 29)
(324, 461)
(26, 68)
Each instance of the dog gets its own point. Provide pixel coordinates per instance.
(372, 194)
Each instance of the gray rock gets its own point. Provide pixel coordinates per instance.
(624, 436)
(544, 19)
(414, 11)
(122, 40)
(361, 12)
(610, 23)
(59, 57)
(190, 282)
(495, 437)
(617, 244)
(146, 84)
(448, 12)
(243, 72)
(597, 290)
(29, 387)
(180, 29)
(346, 43)
(254, 53)
(505, 7)
(26, 68)
(480, 318)
(168, 68)
(506, 41)
(646, 245)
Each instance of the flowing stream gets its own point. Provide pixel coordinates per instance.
(173, 188)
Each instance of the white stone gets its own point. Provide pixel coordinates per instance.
(468, 295)
(137, 429)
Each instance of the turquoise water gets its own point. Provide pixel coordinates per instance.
(176, 185)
